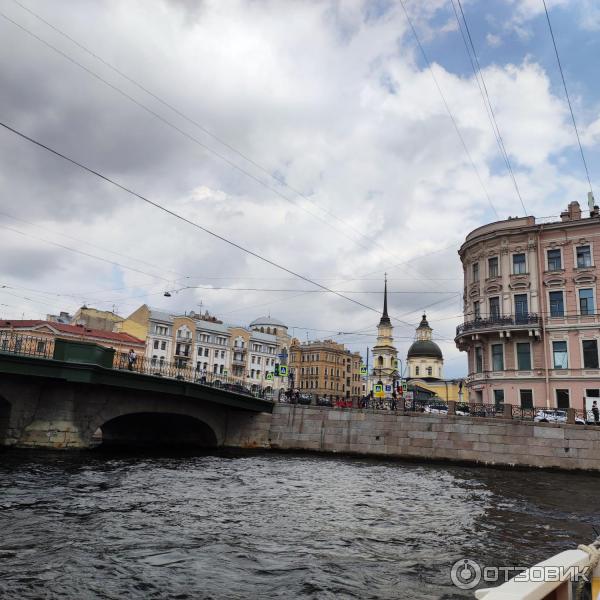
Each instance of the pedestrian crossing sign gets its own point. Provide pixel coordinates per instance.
(283, 371)
(269, 376)
(363, 370)
(378, 389)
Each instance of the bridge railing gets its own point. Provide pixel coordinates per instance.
(185, 371)
(26, 345)
(15, 343)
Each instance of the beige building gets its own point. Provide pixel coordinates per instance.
(326, 368)
(93, 318)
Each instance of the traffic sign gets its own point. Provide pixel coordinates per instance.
(363, 370)
(378, 389)
(283, 370)
(404, 386)
(388, 388)
(269, 377)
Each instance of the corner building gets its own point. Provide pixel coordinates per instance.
(531, 327)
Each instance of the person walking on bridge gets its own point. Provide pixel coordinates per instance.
(131, 358)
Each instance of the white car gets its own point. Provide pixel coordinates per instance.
(555, 416)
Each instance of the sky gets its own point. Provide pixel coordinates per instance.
(315, 134)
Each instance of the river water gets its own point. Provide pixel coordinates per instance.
(95, 525)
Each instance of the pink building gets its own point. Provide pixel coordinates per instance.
(531, 325)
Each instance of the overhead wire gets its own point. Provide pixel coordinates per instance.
(180, 217)
(179, 112)
(562, 75)
(187, 118)
(483, 90)
(447, 107)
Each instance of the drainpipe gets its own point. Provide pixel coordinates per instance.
(541, 296)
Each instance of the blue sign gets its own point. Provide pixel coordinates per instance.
(388, 388)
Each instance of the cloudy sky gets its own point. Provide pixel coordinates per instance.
(312, 133)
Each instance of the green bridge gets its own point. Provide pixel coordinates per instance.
(76, 399)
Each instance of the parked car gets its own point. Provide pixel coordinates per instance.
(323, 401)
(304, 399)
(550, 415)
(438, 408)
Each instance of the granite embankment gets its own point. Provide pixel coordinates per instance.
(488, 441)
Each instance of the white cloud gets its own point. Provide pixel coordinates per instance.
(324, 95)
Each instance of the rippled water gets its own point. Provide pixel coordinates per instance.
(271, 526)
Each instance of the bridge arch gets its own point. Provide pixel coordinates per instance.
(149, 429)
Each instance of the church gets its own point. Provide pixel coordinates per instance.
(425, 366)
(385, 354)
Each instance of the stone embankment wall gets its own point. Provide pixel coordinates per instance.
(489, 441)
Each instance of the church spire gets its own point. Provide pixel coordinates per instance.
(385, 319)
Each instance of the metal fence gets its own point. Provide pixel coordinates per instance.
(187, 372)
(26, 345)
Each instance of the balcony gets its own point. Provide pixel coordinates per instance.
(239, 358)
(524, 321)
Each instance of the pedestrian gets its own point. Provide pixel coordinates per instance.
(596, 412)
(131, 358)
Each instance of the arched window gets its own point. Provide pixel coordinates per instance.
(269, 330)
(429, 371)
(416, 370)
(380, 361)
(262, 329)
(274, 330)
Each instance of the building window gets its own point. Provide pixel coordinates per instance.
(477, 309)
(475, 271)
(497, 357)
(562, 399)
(592, 393)
(156, 344)
(493, 266)
(163, 345)
(478, 359)
(526, 397)
(523, 356)
(590, 354)
(521, 307)
(519, 264)
(498, 397)
(495, 307)
(586, 301)
(416, 370)
(557, 306)
(559, 352)
(41, 346)
(554, 260)
(429, 371)
(584, 257)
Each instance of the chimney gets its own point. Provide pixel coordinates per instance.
(573, 212)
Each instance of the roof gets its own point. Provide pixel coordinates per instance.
(268, 321)
(160, 315)
(75, 330)
(425, 348)
(263, 337)
(202, 325)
